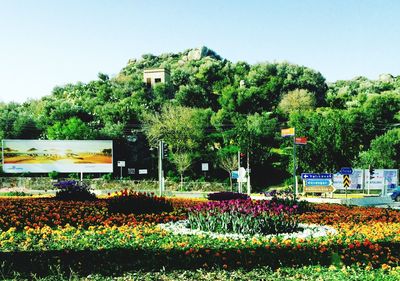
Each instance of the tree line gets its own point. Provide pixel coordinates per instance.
(212, 108)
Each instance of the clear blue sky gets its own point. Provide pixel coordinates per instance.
(45, 43)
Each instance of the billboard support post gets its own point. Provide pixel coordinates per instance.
(81, 176)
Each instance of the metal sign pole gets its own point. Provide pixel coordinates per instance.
(294, 166)
(160, 171)
(369, 179)
(248, 173)
(363, 181)
(239, 179)
(384, 185)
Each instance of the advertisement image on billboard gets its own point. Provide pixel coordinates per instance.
(64, 156)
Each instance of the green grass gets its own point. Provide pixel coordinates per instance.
(262, 273)
(15, 193)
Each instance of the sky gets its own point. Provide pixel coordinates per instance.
(47, 43)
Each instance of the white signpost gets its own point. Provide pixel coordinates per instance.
(121, 164)
(241, 178)
(204, 167)
(142, 171)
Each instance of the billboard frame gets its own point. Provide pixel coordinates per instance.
(63, 166)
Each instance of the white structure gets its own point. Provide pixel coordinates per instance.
(155, 75)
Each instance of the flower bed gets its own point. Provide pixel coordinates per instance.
(33, 213)
(85, 236)
(243, 217)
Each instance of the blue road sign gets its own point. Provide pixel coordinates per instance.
(235, 175)
(318, 182)
(308, 176)
(326, 176)
(346, 171)
(316, 176)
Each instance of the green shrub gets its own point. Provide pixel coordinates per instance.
(73, 190)
(132, 202)
(287, 198)
(227, 195)
(107, 177)
(15, 193)
(54, 175)
(74, 176)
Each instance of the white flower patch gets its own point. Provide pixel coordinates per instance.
(305, 231)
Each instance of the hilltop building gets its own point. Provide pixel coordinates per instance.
(156, 75)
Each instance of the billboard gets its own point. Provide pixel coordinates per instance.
(64, 156)
(387, 178)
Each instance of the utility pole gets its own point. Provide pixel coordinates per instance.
(160, 169)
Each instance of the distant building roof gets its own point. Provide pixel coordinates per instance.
(153, 70)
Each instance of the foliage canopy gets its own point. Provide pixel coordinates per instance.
(210, 104)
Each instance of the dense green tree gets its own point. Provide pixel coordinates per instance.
(73, 128)
(301, 77)
(297, 100)
(253, 134)
(192, 96)
(384, 152)
(382, 108)
(353, 93)
(228, 160)
(265, 84)
(332, 140)
(211, 105)
(182, 161)
(17, 122)
(182, 128)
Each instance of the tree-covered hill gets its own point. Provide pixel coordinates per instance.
(211, 108)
